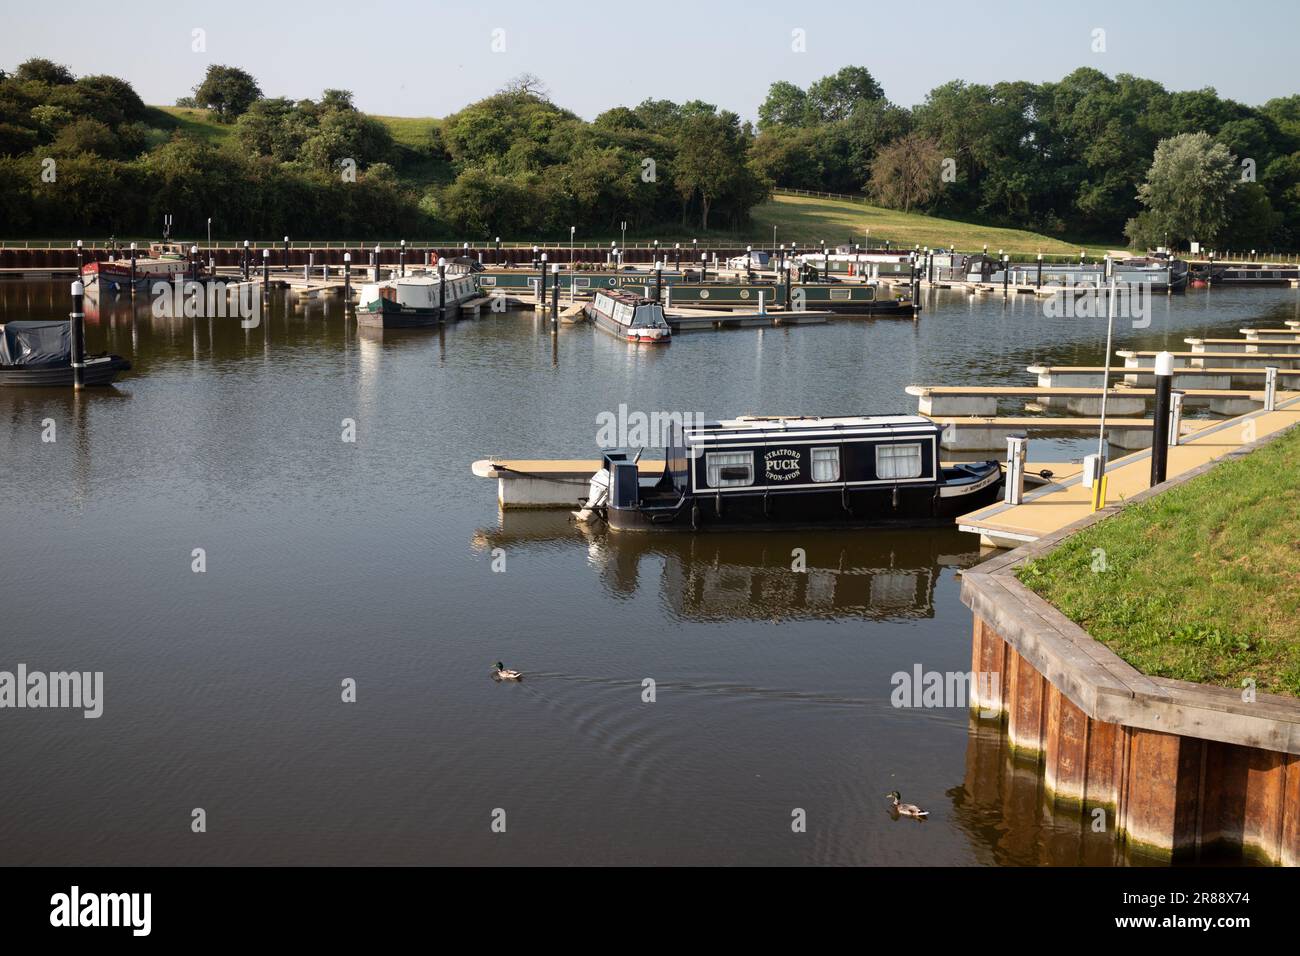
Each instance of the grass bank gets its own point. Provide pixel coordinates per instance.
(1201, 583)
(806, 219)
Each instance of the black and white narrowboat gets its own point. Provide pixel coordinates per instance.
(757, 472)
(630, 317)
(414, 301)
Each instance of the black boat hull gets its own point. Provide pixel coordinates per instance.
(925, 506)
(96, 372)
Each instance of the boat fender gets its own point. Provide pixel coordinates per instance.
(844, 499)
(767, 505)
(695, 517)
(717, 504)
(895, 496)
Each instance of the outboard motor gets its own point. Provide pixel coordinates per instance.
(624, 484)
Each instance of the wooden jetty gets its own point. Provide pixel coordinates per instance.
(982, 400)
(1061, 503)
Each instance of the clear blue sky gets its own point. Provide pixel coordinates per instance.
(428, 59)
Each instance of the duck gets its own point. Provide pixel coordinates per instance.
(501, 672)
(906, 809)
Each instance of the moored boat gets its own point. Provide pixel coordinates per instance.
(164, 262)
(414, 301)
(757, 472)
(630, 317)
(39, 353)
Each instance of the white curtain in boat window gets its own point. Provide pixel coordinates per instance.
(826, 463)
(718, 460)
(898, 461)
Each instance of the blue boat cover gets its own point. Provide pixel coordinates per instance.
(27, 343)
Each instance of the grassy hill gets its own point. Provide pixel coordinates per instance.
(804, 219)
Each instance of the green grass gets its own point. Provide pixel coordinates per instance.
(804, 219)
(195, 122)
(411, 131)
(1201, 583)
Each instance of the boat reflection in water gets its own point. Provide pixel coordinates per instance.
(882, 574)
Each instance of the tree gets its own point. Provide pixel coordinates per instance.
(835, 97)
(228, 91)
(906, 172)
(41, 70)
(786, 105)
(1188, 187)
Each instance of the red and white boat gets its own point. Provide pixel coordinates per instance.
(164, 262)
(630, 317)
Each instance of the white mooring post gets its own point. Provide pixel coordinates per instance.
(1014, 492)
(1175, 417)
(1270, 388)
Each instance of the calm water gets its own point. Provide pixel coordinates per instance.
(373, 561)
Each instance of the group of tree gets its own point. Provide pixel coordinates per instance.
(1069, 157)
(1088, 156)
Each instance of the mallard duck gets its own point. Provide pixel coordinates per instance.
(501, 672)
(906, 809)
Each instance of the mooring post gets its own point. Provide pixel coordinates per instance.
(1164, 376)
(133, 270)
(286, 253)
(1014, 491)
(78, 319)
(194, 262)
(704, 266)
(347, 282)
(1038, 279)
(266, 272)
(786, 268)
(442, 290)
(401, 259)
(677, 253)
(534, 257)
(243, 262)
(555, 297)
(659, 280)
(541, 298)
(377, 252)
(1176, 418)
(1270, 388)
(1006, 274)
(80, 259)
(307, 266)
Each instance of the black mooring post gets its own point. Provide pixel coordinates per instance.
(1164, 375)
(659, 281)
(555, 298)
(81, 263)
(347, 282)
(787, 284)
(286, 253)
(1038, 281)
(78, 320)
(133, 270)
(401, 259)
(677, 252)
(1006, 274)
(704, 266)
(541, 297)
(266, 272)
(442, 291)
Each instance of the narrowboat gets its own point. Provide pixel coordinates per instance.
(164, 262)
(630, 317)
(758, 472)
(39, 353)
(414, 301)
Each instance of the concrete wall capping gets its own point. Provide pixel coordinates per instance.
(1099, 682)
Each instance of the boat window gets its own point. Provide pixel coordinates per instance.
(898, 461)
(725, 469)
(826, 463)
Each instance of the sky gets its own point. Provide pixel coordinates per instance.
(406, 58)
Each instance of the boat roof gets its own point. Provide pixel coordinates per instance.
(795, 425)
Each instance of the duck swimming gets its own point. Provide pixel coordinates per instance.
(906, 809)
(501, 672)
